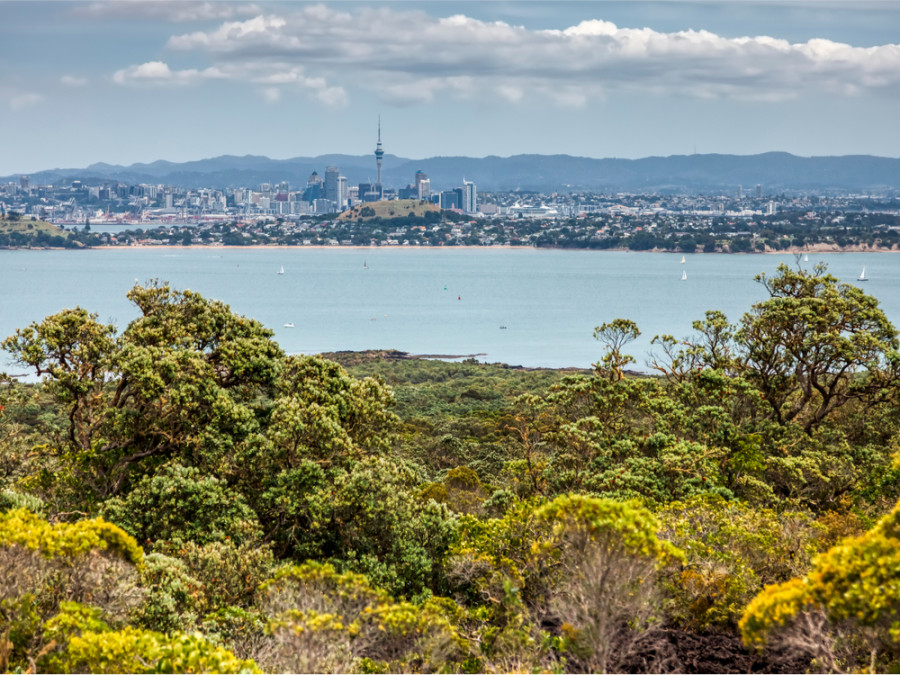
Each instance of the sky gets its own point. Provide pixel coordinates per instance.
(142, 80)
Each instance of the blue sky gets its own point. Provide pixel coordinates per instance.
(137, 80)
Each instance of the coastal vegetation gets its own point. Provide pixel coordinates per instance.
(179, 495)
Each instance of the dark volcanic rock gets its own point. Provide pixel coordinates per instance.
(676, 651)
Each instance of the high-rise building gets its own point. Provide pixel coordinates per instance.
(379, 155)
(332, 173)
(314, 188)
(740, 192)
(470, 197)
(25, 182)
(450, 199)
(758, 190)
(341, 192)
(423, 185)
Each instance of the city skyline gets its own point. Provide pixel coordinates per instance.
(139, 81)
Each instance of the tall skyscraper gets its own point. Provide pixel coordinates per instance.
(423, 185)
(342, 192)
(314, 188)
(379, 155)
(332, 173)
(470, 197)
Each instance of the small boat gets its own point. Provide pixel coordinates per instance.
(806, 257)
(862, 275)
(281, 271)
(502, 327)
(683, 260)
(289, 324)
(365, 265)
(684, 275)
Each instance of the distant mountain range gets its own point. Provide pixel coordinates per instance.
(776, 171)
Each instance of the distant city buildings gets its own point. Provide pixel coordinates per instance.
(470, 197)
(329, 192)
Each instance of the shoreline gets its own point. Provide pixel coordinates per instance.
(814, 248)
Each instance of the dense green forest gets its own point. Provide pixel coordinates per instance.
(179, 495)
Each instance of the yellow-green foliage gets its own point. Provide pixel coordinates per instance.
(326, 621)
(732, 551)
(494, 552)
(41, 565)
(74, 618)
(132, 650)
(857, 581)
(23, 528)
(631, 526)
(294, 586)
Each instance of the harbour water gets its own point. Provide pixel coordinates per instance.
(425, 301)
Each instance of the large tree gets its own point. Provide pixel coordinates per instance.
(182, 381)
(813, 346)
(816, 344)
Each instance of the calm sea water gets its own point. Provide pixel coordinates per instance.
(449, 301)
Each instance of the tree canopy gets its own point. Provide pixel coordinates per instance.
(181, 496)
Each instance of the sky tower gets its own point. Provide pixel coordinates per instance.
(379, 154)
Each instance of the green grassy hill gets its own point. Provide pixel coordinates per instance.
(398, 208)
(26, 225)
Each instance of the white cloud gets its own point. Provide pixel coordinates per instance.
(274, 77)
(26, 100)
(72, 81)
(265, 27)
(409, 57)
(335, 97)
(158, 72)
(510, 93)
(172, 11)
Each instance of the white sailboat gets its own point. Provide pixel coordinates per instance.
(806, 257)
(684, 275)
(862, 275)
(683, 260)
(281, 271)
